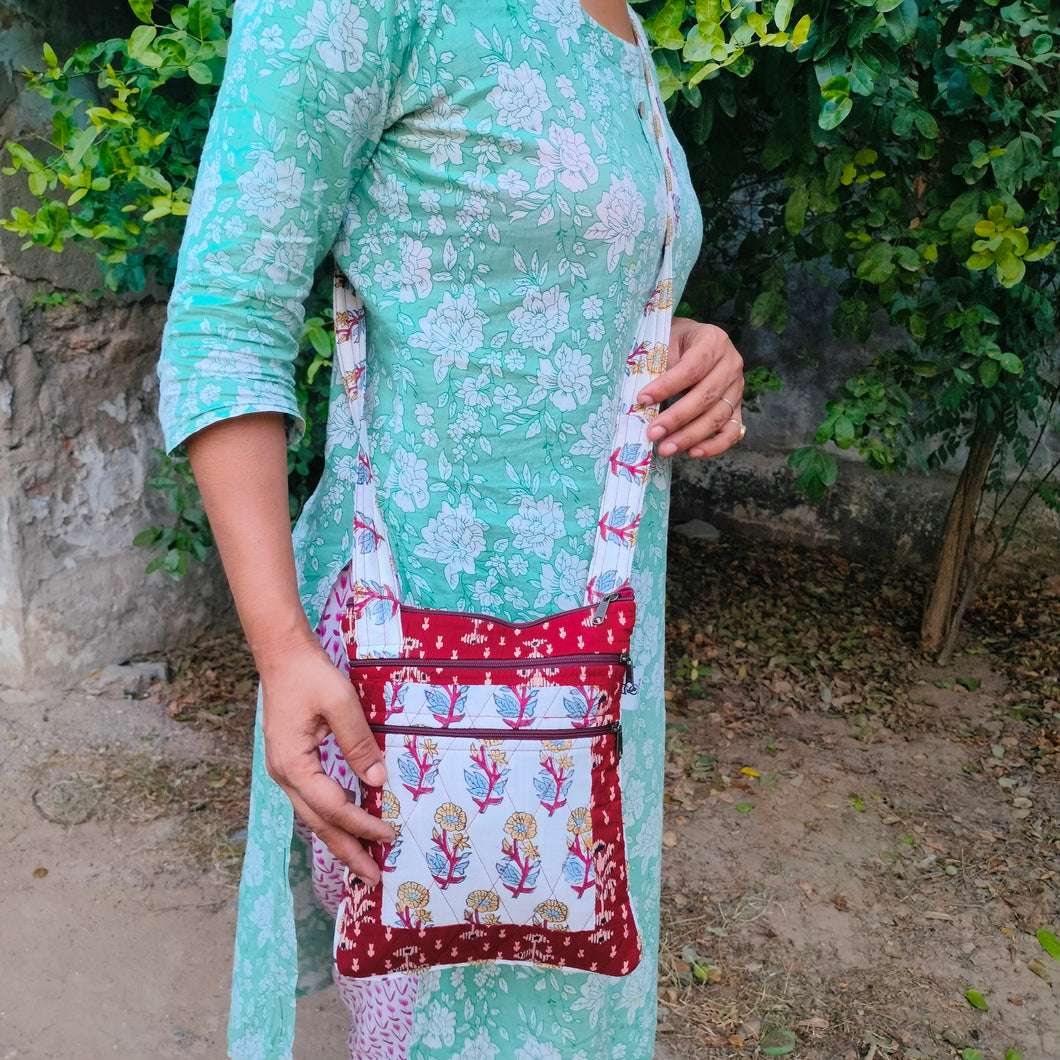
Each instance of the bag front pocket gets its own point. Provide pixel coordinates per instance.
(494, 825)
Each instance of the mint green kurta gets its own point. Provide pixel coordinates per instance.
(487, 178)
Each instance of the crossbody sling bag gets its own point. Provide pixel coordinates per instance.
(501, 738)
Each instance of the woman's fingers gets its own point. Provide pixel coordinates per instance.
(707, 371)
(305, 698)
(328, 810)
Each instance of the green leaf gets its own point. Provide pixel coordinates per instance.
(143, 10)
(817, 470)
(903, 21)
(988, 372)
(1011, 1054)
(833, 112)
(975, 999)
(1011, 363)
(1050, 943)
(971, 1054)
(782, 13)
(795, 211)
(877, 267)
(200, 73)
(200, 19)
(745, 807)
(140, 41)
(800, 34)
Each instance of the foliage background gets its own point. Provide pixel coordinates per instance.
(904, 152)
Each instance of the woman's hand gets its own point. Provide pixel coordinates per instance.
(707, 370)
(304, 697)
(241, 467)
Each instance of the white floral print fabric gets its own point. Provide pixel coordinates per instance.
(488, 182)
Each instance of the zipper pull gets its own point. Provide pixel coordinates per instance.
(601, 608)
(629, 685)
(616, 728)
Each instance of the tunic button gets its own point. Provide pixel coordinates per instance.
(640, 108)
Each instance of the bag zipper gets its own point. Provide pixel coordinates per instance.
(599, 610)
(535, 663)
(614, 728)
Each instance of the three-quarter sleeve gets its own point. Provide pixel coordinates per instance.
(305, 97)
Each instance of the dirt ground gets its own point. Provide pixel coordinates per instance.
(860, 851)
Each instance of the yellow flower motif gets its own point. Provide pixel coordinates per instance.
(422, 916)
(499, 758)
(579, 821)
(451, 817)
(529, 851)
(391, 806)
(521, 826)
(565, 762)
(556, 745)
(492, 743)
(430, 747)
(552, 911)
(483, 901)
(413, 894)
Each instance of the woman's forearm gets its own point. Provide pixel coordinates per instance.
(241, 468)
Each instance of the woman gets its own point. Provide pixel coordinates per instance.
(488, 177)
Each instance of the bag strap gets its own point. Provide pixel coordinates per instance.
(376, 586)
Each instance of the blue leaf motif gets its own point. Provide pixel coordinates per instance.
(544, 785)
(629, 456)
(379, 611)
(509, 872)
(477, 783)
(578, 706)
(438, 863)
(574, 871)
(507, 704)
(408, 770)
(431, 777)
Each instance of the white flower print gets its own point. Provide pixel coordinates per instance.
(441, 1027)
(567, 382)
(621, 213)
(271, 188)
(407, 481)
(280, 256)
(455, 538)
(564, 156)
(424, 414)
(563, 585)
(450, 331)
(592, 307)
(474, 392)
(439, 130)
(537, 1050)
(537, 526)
(271, 39)
(338, 31)
(520, 97)
(358, 120)
(391, 198)
(415, 273)
(566, 16)
(430, 200)
(479, 1047)
(507, 397)
(512, 183)
(597, 434)
(542, 316)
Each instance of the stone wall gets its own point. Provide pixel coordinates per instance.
(77, 425)
(751, 489)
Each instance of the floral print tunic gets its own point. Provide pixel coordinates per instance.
(487, 177)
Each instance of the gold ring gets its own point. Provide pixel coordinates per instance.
(743, 429)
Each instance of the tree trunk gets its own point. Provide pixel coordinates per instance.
(938, 614)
